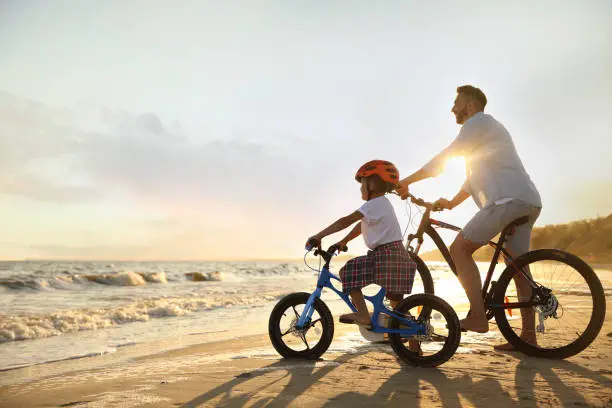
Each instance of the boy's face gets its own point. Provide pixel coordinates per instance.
(364, 189)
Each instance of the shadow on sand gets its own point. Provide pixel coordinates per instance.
(441, 386)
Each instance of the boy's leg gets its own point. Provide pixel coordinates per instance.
(394, 299)
(362, 315)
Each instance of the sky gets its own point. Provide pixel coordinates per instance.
(232, 130)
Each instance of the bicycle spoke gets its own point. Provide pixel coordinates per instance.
(289, 330)
(303, 337)
(438, 337)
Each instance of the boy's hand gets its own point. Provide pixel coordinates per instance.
(313, 242)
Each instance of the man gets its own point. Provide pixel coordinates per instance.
(502, 190)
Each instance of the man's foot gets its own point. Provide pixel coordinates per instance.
(509, 347)
(415, 347)
(475, 325)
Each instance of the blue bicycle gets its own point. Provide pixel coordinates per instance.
(301, 325)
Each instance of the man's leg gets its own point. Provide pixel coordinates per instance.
(461, 250)
(517, 245)
(523, 289)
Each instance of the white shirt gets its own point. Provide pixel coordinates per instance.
(379, 224)
(495, 173)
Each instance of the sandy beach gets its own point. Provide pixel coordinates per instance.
(247, 372)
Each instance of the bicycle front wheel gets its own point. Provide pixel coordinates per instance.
(568, 305)
(312, 340)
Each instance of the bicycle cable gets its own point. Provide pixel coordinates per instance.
(318, 271)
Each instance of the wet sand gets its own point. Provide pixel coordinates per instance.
(247, 372)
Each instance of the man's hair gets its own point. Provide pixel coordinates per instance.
(473, 93)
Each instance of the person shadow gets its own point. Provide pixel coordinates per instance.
(301, 374)
(554, 374)
(410, 384)
(447, 387)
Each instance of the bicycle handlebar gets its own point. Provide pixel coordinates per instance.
(420, 202)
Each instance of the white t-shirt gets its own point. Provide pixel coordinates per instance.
(495, 173)
(379, 224)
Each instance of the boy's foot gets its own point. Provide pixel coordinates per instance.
(352, 318)
(471, 324)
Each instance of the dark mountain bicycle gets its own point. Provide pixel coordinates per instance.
(566, 294)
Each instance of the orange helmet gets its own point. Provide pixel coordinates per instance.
(381, 168)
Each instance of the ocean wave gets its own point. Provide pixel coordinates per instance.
(25, 327)
(74, 278)
(67, 282)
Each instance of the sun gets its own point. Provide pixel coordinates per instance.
(454, 165)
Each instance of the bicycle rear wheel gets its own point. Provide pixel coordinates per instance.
(569, 304)
(442, 336)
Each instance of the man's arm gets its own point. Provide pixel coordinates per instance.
(432, 168)
(460, 197)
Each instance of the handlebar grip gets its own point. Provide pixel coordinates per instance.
(313, 243)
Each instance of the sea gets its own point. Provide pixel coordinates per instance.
(52, 311)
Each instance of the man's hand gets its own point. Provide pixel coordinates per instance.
(442, 204)
(402, 190)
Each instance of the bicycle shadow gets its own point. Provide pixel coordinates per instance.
(411, 384)
(440, 386)
(311, 371)
(525, 380)
(431, 386)
(405, 386)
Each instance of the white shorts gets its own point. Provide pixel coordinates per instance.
(491, 220)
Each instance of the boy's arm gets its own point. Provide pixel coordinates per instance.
(341, 224)
(355, 232)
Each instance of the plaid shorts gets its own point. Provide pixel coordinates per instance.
(387, 265)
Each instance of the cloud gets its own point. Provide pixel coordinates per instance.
(71, 156)
(45, 190)
(248, 193)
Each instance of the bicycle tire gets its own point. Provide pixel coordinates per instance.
(276, 337)
(424, 273)
(428, 304)
(596, 291)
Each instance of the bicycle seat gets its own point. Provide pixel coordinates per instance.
(519, 221)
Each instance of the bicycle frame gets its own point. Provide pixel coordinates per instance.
(324, 281)
(426, 226)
